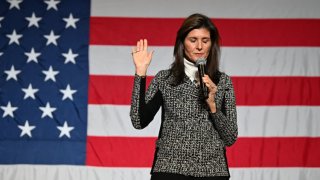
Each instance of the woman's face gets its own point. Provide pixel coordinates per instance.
(197, 44)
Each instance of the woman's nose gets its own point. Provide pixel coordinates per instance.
(199, 45)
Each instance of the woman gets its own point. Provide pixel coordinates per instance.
(194, 130)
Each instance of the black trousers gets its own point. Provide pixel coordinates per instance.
(170, 176)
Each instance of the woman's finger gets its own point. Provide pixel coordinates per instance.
(141, 45)
(145, 45)
(138, 46)
(211, 86)
(207, 80)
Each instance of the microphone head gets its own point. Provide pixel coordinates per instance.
(201, 61)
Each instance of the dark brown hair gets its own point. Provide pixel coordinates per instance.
(196, 21)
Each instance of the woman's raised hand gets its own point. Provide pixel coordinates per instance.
(141, 57)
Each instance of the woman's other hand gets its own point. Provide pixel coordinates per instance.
(213, 89)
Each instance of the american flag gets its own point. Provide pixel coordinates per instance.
(67, 75)
(44, 81)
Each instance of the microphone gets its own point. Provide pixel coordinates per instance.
(201, 63)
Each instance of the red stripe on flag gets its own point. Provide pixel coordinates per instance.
(275, 152)
(246, 152)
(234, 32)
(249, 90)
(120, 152)
(277, 90)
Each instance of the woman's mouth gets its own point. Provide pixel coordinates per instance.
(199, 55)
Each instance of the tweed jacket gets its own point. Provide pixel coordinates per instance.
(191, 140)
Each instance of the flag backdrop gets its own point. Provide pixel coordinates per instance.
(66, 76)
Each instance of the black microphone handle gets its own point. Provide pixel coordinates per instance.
(204, 88)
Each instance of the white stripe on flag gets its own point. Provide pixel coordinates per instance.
(293, 61)
(40, 172)
(253, 121)
(212, 8)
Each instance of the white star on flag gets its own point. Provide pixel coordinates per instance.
(29, 92)
(65, 130)
(14, 37)
(1, 18)
(52, 4)
(26, 129)
(1, 53)
(50, 74)
(14, 3)
(71, 21)
(70, 57)
(68, 92)
(8, 110)
(51, 38)
(12, 73)
(47, 111)
(33, 20)
(32, 56)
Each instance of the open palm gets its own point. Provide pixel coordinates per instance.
(141, 57)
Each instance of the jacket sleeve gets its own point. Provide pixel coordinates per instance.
(225, 120)
(144, 106)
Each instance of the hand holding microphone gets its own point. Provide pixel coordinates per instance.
(208, 87)
(201, 64)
